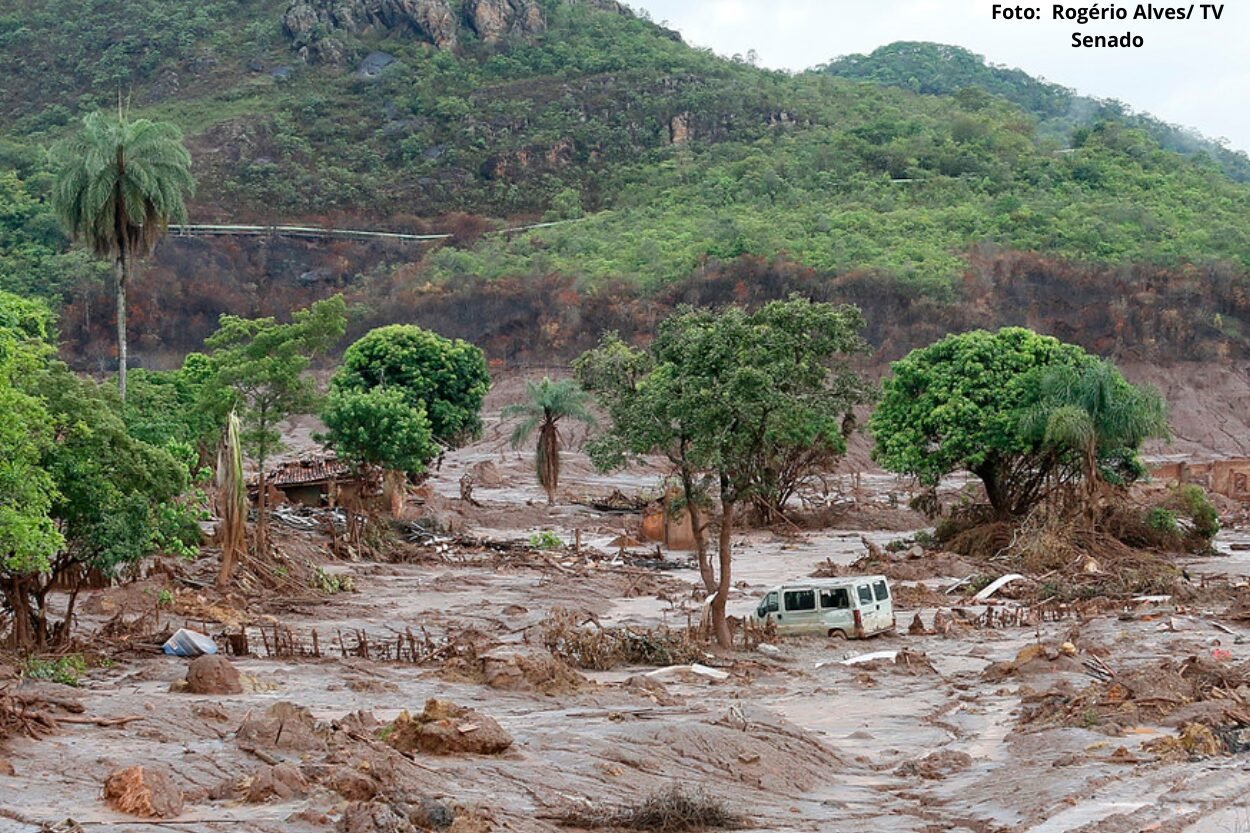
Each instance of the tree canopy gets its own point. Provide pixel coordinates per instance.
(445, 378)
(1009, 407)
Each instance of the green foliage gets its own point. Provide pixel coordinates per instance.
(164, 599)
(378, 428)
(120, 182)
(546, 404)
(66, 670)
(1163, 520)
(938, 69)
(445, 379)
(257, 367)
(960, 403)
(1097, 415)
(546, 540)
(329, 583)
(762, 395)
(1193, 501)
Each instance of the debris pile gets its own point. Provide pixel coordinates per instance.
(444, 728)
(601, 648)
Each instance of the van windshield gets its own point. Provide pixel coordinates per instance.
(881, 590)
(865, 594)
(837, 598)
(770, 603)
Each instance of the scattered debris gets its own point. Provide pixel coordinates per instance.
(671, 810)
(996, 585)
(188, 643)
(936, 765)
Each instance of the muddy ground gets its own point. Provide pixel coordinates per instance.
(788, 738)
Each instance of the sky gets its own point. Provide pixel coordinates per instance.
(1194, 73)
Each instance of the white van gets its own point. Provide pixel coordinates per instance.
(853, 607)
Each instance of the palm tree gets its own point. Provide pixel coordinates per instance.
(547, 403)
(119, 184)
(1099, 416)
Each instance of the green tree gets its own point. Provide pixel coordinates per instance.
(379, 431)
(748, 387)
(75, 488)
(258, 369)
(961, 404)
(119, 184)
(447, 379)
(546, 404)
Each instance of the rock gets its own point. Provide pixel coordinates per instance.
(372, 817)
(444, 728)
(492, 19)
(283, 782)
(281, 73)
(938, 765)
(679, 129)
(213, 674)
(431, 814)
(352, 784)
(916, 628)
(148, 792)
(284, 726)
(373, 64)
(6, 768)
(310, 24)
(484, 473)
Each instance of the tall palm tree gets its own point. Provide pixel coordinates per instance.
(119, 184)
(547, 403)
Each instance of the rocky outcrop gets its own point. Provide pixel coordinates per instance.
(492, 19)
(312, 25)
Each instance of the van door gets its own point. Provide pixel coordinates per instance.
(867, 606)
(798, 614)
(835, 610)
(885, 605)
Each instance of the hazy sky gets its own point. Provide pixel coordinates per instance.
(1195, 73)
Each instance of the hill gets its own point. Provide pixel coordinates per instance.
(685, 177)
(940, 69)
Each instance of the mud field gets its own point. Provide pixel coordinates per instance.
(1060, 719)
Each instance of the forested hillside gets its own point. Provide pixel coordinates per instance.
(684, 175)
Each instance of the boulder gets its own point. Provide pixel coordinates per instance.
(282, 782)
(372, 817)
(213, 674)
(284, 726)
(148, 792)
(444, 728)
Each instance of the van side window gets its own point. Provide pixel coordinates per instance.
(837, 598)
(865, 594)
(800, 600)
(881, 590)
(770, 603)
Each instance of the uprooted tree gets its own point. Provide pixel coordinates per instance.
(728, 394)
(77, 492)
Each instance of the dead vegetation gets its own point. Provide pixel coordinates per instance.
(1198, 690)
(597, 648)
(671, 810)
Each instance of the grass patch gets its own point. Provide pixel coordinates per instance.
(65, 670)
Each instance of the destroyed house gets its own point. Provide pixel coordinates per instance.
(1230, 478)
(309, 481)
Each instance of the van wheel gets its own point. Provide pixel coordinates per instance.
(839, 635)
